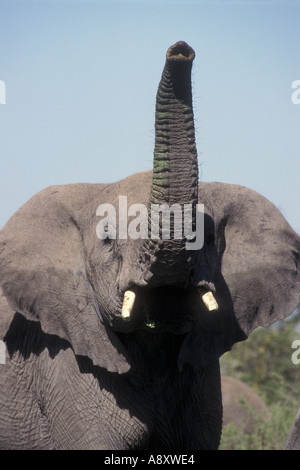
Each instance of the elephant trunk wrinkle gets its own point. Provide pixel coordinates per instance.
(175, 165)
(175, 168)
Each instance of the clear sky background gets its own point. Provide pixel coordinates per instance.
(81, 79)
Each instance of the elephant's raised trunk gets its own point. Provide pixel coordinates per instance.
(174, 278)
(175, 169)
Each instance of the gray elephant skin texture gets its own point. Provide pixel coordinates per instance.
(77, 374)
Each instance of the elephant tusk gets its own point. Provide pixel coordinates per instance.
(210, 301)
(128, 302)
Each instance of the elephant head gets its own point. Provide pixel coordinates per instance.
(93, 286)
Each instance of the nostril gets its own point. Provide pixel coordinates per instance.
(180, 51)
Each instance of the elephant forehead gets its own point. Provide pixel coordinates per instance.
(135, 187)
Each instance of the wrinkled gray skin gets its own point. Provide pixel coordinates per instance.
(77, 376)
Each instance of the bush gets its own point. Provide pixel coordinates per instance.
(264, 363)
(267, 435)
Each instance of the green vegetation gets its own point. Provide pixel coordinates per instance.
(264, 363)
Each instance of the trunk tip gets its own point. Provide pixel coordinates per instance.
(180, 51)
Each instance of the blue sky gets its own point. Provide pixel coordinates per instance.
(81, 79)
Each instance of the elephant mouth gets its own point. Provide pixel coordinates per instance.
(174, 309)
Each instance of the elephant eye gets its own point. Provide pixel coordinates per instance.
(109, 233)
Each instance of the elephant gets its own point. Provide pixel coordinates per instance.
(293, 440)
(242, 406)
(113, 341)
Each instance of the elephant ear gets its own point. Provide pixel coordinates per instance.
(258, 270)
(43, 274)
